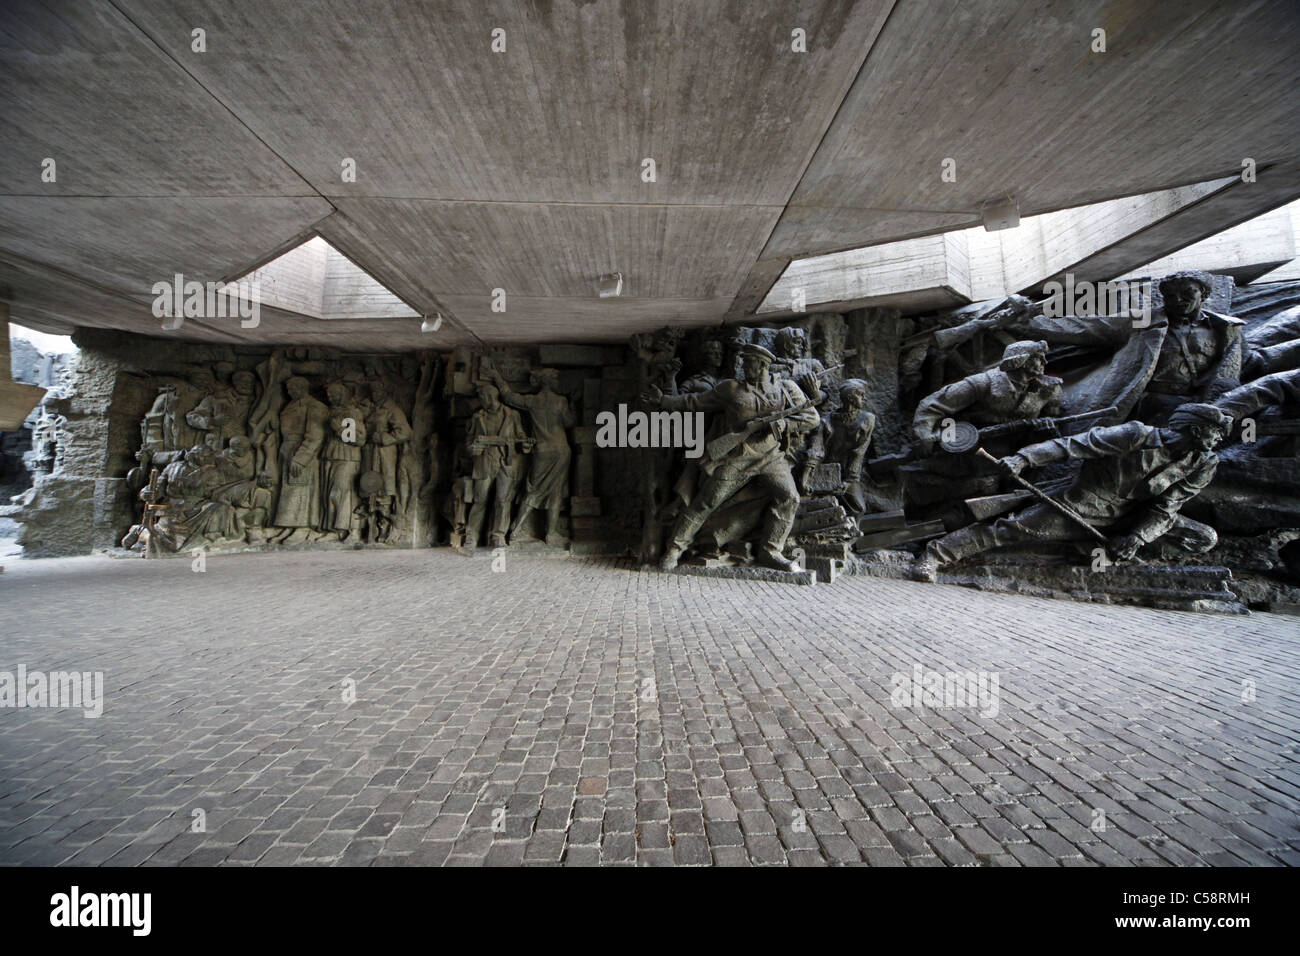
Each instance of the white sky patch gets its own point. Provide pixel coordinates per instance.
(60, 344)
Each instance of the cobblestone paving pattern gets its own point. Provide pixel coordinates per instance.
(768, 735)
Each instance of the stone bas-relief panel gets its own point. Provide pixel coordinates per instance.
(523, 465)
(287, 448)
(189, 447)
(258, 459)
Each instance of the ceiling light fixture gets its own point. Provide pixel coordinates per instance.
(431, 325)
(1000, 214)
(610, 285)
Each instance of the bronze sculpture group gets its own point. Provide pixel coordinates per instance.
(1119, 449)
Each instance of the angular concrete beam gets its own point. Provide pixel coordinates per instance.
(1053, 243)
(358, 246)
(913, 275)
(756, 288)
(1245, 252)
(1291, 270)
(972, 264)
(1236, 203)
(317, 280)
(352, 293)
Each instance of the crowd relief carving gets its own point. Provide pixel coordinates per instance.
(308, 448)
(977, 431)
(303, 447)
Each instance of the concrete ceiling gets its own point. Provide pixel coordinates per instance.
(522, 170)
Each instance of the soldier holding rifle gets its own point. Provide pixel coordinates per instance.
(1134, 480)
(761, 416)
(495, 436)
(1017, 390)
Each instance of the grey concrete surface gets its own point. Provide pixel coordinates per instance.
(522, 169)
(523, 699)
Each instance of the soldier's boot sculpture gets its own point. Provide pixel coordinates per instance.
(952, 547)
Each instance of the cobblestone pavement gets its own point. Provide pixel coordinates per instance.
(506, 718)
